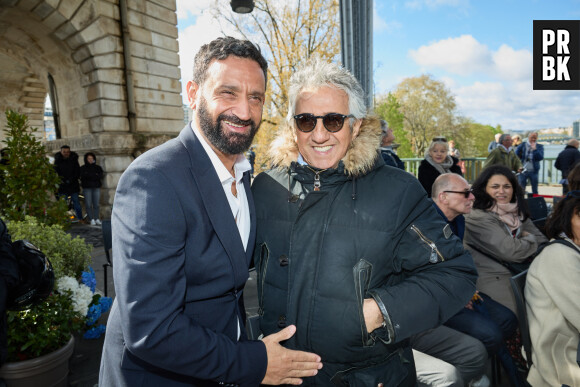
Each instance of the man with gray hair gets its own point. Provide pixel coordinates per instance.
(504, 155)
(530, 154)
(566, 161)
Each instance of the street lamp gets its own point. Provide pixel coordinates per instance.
(242, 6)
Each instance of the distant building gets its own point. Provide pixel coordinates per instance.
(49, 131)
(187, 113)
(576, 129)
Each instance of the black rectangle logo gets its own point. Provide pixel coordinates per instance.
(556, 55)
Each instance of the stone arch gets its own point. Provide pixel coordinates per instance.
(91, 48)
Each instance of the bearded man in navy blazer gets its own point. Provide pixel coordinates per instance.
(183, 235)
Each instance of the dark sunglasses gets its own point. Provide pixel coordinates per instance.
(464, 193)
(333, 122)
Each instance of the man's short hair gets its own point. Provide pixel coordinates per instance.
(220, 49)
(573, 142)
(503, 137)
(64, 147)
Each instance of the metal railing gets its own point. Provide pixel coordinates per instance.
(473, 166)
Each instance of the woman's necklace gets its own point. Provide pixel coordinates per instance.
(316, 177)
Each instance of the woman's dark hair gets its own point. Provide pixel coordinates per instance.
(574, 178)
(560, 220)
(484, 202)
(90, 154)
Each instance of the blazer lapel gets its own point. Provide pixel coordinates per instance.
(215, 201)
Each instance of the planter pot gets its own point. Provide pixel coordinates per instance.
(50, 370)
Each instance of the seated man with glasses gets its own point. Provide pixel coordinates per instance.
(348, 250)
(482, 318)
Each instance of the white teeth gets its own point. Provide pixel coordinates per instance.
(323, 148)
(232, 124)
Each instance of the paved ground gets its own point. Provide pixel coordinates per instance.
(84, 365)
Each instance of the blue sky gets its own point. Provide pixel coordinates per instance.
(481, 50)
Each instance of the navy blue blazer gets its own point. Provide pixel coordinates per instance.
(179, 269)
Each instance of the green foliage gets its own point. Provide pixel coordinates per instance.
(29, 181)
(388, 109)
(42, 329)
(69, 256)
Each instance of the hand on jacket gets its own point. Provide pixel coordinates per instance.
(286, 366)
(373, 316)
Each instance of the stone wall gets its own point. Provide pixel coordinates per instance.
(115, 70)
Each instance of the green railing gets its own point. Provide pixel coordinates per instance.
(473, 166)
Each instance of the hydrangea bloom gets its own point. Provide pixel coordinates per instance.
(81, 294)
(88, 278)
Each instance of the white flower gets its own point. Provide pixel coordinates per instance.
(82, 296)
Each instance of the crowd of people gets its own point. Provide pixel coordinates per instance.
(367, 276)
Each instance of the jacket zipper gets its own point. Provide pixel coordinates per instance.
(434, 251)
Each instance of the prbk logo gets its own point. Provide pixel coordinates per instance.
(556, 54)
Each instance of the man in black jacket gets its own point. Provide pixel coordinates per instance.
(66, 164)
(8, 279)
(566, 160)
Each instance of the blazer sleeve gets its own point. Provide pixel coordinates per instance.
(490, 236)
(539, 153)
(150, 230)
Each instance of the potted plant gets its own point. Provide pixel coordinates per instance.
(40, 339)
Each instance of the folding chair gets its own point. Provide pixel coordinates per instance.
(518, 283)
(108, 245)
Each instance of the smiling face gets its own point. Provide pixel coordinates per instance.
(228, 105)
(439, 152)
(321, 148)
(500, 189)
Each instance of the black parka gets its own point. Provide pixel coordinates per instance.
(69, 171)
(369, 232)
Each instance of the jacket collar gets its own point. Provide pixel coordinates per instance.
(359, 159)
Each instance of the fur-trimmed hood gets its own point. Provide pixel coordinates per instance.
(358, 160)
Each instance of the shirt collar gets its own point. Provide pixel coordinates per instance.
(240, 166)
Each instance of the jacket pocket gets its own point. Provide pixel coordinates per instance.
(396, 370)
(362, 278)
(434, 253)
(261, 266)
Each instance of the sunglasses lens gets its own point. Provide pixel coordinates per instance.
(305, 122)
(333, 122)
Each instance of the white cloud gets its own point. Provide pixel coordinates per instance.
(419, 4)
(463, 55)
(511, 64)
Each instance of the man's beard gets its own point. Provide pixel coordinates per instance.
(229, 143)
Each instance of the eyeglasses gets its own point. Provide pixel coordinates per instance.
(439, 139)
(333, 122)
(464, 193)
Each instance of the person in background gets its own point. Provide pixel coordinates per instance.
(517, 140)
(551, 294)
(184, 231)
(494, 143)
(504, 155)
(91, 176)
(566, 160)
(386, 148)
(251, 156)
(482, 318)
(66, 164)
(437, 161)
(348, 249)
(499, 229)
(574, 178)
(9, 277)
(453, 151)
(530, 154)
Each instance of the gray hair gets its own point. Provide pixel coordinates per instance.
(502, 137)
(316, 74)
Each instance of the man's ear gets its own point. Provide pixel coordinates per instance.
(356, 128)
(192, 89)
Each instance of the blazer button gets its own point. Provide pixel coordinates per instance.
(293, 199)
(282, 322)
(283, 260)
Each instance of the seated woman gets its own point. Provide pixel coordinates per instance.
(551, 293)
(498, 230)
(437, 161)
